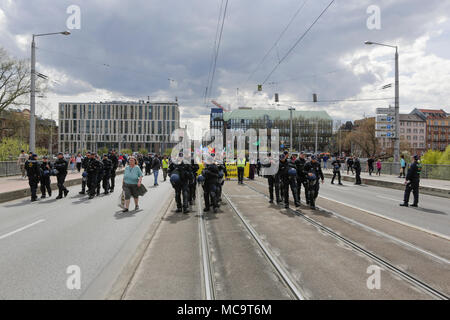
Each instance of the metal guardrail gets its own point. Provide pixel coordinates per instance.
(9, 168)
(429, 171)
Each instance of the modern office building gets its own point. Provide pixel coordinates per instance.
(305, 124)
(117, 125)
(437, 127)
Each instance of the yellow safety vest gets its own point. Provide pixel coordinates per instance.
(241, 163)
(165, 164)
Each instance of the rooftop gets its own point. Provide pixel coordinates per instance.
(274, 114)
(410, 117)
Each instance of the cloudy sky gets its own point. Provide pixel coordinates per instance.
(127, 50)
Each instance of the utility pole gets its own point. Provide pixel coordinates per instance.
(317, 129)
(50, 147)
(397, 112)
(291, 141)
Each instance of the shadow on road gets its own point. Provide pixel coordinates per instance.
(18, 204)
(431, 211)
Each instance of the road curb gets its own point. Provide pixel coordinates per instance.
(23, 193)
(443, 193)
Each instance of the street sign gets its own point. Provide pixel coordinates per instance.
(389, 110)
(385, 118)
(384, 134)
(384, 126)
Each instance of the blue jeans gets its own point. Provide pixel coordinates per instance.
(155, 173)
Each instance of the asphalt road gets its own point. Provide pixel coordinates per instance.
(433, 213)
(40, 240)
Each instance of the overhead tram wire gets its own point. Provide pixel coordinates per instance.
(298, 41)
(213, 54)
(345, 100)
(278, 40)
(217, 51)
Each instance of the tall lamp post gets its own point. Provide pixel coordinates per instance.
(291, 141)
(33, 88)
(397, 103)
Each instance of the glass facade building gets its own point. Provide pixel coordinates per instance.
(117, 125)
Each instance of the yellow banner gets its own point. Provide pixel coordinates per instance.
(231, 170)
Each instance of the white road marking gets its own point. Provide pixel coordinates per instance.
(396, 200)
(21, 229)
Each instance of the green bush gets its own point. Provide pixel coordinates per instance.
(143, 151)
(445, 156)
(431, 157)
(126, 151)
(10, 148)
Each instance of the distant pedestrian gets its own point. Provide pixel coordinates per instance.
(325, 159)
(165, 167)
(79, 160)
(370, 162)
(72, 162)
(156, 166)
(412, 182)
(357, 166)
(379, 167)
(402, 166)
(23, 157)
(350, 165)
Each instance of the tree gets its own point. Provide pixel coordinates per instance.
(445, 157)
(15, 80)
(431, 157)
(102, 151)
(364, 138)
(143, 151)
(10, 148)
(126, 151)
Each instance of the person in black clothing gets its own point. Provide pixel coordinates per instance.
(273, 179)
(357, 166)
(148, 164)
(193, 182)
(140, 160)
(92, 169)
(288, 180)
(211, 174)
(370, 162)
(115, 164)
(61, 165)
(350, 165)
(301, 175)
(107, 168)
(32, 167)
(100, 173)
(221, 180)
(314, 174)
(46, 170)
(180, 173)
(412, 182)
(84, 164)
(336, 165)
(258, 167)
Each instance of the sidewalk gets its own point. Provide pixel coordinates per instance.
(14, 187)
(434, 187)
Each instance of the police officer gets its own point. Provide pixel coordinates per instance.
(107, 168)
(350, 164)
(84, 164)
(115, 163)
(412, 181)
(357, 166)
(301, 175)
(336, 165)
(220, 179)
(240, 168)
(314, 173)
(92, 170)
(192, 181)
(34, 173)
(148, 164)
(61, 165)
(180, 173)
(211, 175)
(273, 179)
(100, 174)
(288, 177)
(46, 170)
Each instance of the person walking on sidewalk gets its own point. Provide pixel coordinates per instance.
(165, 167)
(370, 162)
(336, 165)
(156, 165)
(23, 157)
(378, 167)
(350, 164)
(240, 169)
(412, 182)
(72, 164)
(402, 166)
(79, 160)
(357, 166)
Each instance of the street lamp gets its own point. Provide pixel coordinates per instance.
(33, 88)
(397, 103)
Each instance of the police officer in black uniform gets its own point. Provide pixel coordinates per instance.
(107, 168)
(33, 169)
(211, 174)
(84, 164)
(193, 182)
(46, 171)
(221, 180)
(100, 173)
(412, 182)
(115, 163)
(148, 164)
(61, 165)
(180, 173)
(301, 175)
(357, 166)
(288, 180)
(268, 166)
(336, 165)
(92, 169)
(314, 173)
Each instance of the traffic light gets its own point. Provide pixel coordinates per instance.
(259, 87)
(276, 97)
(314, 97)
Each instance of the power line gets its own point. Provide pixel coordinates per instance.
(217, 51)
(297, 42)
(345, 100)
(276, 42)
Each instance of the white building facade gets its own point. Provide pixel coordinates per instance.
(117, 125)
